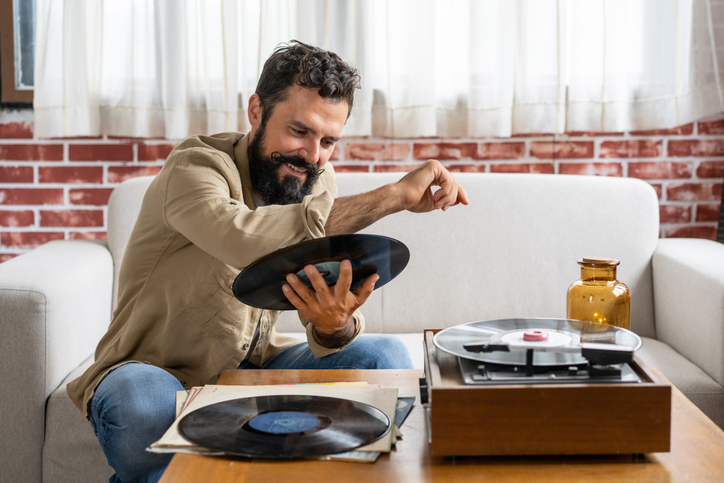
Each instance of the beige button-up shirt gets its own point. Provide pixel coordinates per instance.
(198, 227)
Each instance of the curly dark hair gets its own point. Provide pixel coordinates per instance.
(306, 66)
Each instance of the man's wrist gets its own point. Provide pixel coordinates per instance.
(336, 339)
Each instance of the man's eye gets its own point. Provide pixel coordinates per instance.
(299, 132)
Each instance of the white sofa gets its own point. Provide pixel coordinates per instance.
(511, 253)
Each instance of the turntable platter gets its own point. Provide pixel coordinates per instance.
(562, 339)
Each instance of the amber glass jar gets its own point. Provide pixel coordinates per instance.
(598, 296)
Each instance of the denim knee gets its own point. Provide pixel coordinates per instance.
(132, 407)
(381, 352)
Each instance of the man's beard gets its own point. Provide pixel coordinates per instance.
(264, 171)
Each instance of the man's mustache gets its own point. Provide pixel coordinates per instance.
(295, 160)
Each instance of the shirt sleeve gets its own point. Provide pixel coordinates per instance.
(199, 205)
(319, 350)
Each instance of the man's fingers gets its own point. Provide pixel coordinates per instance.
(462, 196)
(308, 296)
(295, 299)
(344, 281)
(365, 290)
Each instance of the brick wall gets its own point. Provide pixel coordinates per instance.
(58, 189)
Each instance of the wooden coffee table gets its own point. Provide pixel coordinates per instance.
(697, 449)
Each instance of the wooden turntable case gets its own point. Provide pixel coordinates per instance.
(545, 419)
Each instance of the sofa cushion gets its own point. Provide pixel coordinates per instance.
(701, 389)
(71, 452)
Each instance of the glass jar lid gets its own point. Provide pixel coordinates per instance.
(597, 262)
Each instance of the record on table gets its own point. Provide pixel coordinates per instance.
(260, 284)
(563, 336)
(284, 426)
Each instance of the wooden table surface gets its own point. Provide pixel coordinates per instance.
(697, 449)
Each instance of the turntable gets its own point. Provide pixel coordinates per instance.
(541, 386)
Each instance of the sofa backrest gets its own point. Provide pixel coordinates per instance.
(511, 253)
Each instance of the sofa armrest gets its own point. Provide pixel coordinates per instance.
(55, 304)
(688, 278)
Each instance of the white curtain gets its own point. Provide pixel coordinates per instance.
(446, 68)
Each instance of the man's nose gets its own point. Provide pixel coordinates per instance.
(310, 152)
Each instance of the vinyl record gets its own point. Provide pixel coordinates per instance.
(562, 337)
(260, 284)
(283, 427)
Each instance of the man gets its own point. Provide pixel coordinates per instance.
(219, 203)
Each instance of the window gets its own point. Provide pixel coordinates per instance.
(17, 50)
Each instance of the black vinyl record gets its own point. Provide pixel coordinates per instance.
(260, 284)
(565, 335)
(284, 426)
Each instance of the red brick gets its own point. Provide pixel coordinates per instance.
(90, 196)
(12, 174)
(100, 152)
(500, 151)
(444, 151)
(81, 138)
(660, 170)
(561, 149)
(696, 147)
(674, 213)
(658, 187)
(684, 130)
(711, 127)
(154, 152)
(643, 148)
(540, 168)
(693, 191)
(88, 235)
(710, 169)
(351, 168)
(116, 174)
(574, 134)
(4, 257)
(16, 130)
(17, 218)
(378, 151)
(28, 239)
(71, 218)
(390, 168)
(468, 168)
(70, 174)
(707, 212)
(31, 152)
(708, 232)
(531, 135)
(31, 196)
(595, 169)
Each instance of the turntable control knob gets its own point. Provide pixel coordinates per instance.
(535, 335)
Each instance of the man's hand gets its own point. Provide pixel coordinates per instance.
(329, 309)
(416, 189)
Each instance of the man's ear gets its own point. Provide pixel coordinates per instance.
(254, 112)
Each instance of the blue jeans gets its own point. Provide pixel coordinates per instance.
(134, 405)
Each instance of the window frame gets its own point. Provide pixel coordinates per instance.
(9, 94)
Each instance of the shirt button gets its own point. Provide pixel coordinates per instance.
(246, 346)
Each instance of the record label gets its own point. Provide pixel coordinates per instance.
(284, 422)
